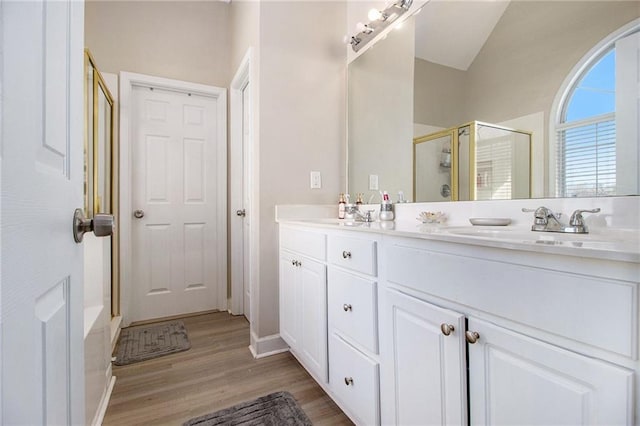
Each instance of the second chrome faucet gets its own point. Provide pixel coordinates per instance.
(544, 220)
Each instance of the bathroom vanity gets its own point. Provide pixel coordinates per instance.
(430, 324)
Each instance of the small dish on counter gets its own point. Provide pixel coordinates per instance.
(490, 221)
(432, 217)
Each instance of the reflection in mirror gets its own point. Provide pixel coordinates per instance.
(432, 167)
(509, 63)
(476, 161)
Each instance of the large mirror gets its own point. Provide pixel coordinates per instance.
(554, 70)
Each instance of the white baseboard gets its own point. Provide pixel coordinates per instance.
(267, 346)
(104, 402)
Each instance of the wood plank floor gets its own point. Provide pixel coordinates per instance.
(217, 372)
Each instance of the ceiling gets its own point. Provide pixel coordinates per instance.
(452, 32)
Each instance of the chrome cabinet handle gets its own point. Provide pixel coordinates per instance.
(348, 381)
(138, 214)
(241, 213)
(447, 329)
(347, 307)
(294, 262)
(472, 336)
(102, 225)
(346, 254)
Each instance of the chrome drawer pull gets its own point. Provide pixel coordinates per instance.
(346, 254)
(346, 307)
(348, 381)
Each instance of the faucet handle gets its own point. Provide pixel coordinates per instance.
(368, 217)
(577, 219)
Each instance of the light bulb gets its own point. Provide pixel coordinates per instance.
(374, 15)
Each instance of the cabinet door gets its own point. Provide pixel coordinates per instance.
(312, 283)
(423, 371)
(289, 300)
(514, 379)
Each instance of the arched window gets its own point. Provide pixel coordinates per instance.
(584, 133)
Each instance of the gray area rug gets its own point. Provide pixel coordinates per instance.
(143, 342)
(271, 410)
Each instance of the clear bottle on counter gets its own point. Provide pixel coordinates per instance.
(341, 206)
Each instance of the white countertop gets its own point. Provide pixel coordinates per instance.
(604, 243)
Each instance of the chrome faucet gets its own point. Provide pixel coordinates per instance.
(352, 212)
(544, 220)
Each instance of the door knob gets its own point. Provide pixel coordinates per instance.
(101, 225)
(138, 214)
(241, 213)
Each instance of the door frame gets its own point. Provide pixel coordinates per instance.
(240, 177)
(128, 81)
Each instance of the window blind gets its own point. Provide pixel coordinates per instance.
(586, 153)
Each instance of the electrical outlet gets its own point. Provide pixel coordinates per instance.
(373, 182)
(315, 180)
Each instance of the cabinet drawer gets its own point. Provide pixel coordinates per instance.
(353, 253)
(594, 311)
(352, 307)
(354, 379)
(309, 243)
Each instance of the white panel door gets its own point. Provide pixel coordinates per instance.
(176, 241)
(516, 380)
(423, 377)
(289, 298)
(246, 198)
(42, 183)
(312, 282)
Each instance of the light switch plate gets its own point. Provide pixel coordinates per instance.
(373, 182)
(315, 179)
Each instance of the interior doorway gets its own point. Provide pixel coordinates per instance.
(173, 197)
(241, 202)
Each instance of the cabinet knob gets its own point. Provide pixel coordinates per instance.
(447, 329)
(346, 254)
(294, 262)
(346, 307)
(348, 381)
(472, 336)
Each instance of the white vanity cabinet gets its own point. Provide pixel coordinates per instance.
(546, 339)
(515, 379)
(424, 362)
(353, 319)
(402, 329)
(303, 297)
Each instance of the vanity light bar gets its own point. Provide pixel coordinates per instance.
(385, 18)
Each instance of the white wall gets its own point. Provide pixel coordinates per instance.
(183, 40)
(302, 123)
